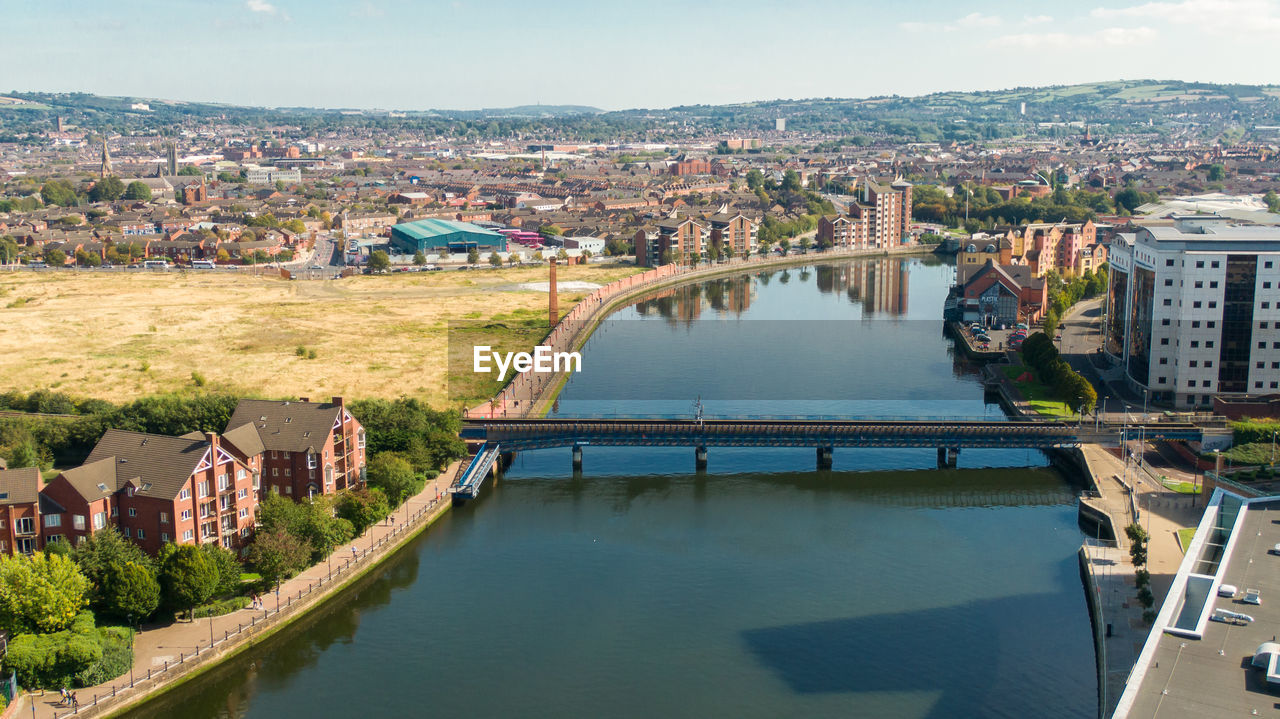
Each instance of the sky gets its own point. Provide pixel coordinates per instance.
(470, 54)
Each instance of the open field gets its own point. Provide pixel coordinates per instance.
(116, 336)
(1036, 394)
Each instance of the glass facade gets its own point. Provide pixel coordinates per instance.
(1117, 311)
(1143, 297)
(1237, 323)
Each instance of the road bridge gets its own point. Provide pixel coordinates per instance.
(825, 434)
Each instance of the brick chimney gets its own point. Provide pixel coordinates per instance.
(553, 299)
(338, 401)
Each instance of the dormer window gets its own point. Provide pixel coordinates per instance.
(146, 487)
(102, 487)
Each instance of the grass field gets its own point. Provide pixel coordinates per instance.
(1036, 394)
(120, 335)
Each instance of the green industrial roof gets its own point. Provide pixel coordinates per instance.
(427, 229)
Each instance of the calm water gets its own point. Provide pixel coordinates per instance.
(882, 588)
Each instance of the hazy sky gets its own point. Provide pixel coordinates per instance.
(465, 54)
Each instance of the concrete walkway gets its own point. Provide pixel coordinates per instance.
(158, 647)
(1162, 513)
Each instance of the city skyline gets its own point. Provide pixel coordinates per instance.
(392, 54)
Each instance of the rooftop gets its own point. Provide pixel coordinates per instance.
(426, 229)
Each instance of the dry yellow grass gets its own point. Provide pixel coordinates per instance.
(121, 335)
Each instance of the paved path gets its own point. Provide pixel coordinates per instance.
(158, 646)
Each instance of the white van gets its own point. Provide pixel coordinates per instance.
(203, 265)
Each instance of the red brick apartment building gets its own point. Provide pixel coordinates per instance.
(306, 447)
(195, 489)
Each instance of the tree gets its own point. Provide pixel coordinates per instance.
(131, 591)
(785, 244)
(311, 523)
(40, 593)
(562, 255)
(187, 574)
(1272, 200)
(137, 190)
(278, 555)
(108, 189)
(55, 258)
(1217, 173)
(100, 555)
(495, 260)
(190, 171)
(59, 192)
(393, 475)
(419, 259)
(713, 252)
(473, 256)
(87, 259)
(1137, 544)
(804, 244)
(295, 226)
(228, 567)
(379, 261)
(363, 507)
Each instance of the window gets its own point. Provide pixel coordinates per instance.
(223, 480)
(244, 512)
(187, 535)
(1164, 340)
(77, 521)
(26, 545)
(55, 538)
(1211, 324)
(1262, 325)
(52, 520)
(1213, 284)
(1257, 385)
(1204, 383)
(142, 533)
(1168, 302)
(1168, 283)
(1191, 383)
(133, 512)
(1262, 345)
(242, 494)
(1164, 360)
(240, 473)
(24, 525)
(1197, 304)
(125, 531)
(202, 489)
(1214, 264)
(225, 502)
(1208, 343)
(288, 471)
(115, 511)
(1200, 264)
(1199, 284)
(1261, 365)
(164, 536)
(1275, 385)
(1168, 263)
(1195, 343)
(164, 517)
(186, 514)
(99, 520)
(1267, 264)
(185, 493)
(1214, 303)
(1208, 363)
(285, 455)
(275, 472)
(1194, 363)
(1195, 324)
(1160, 380)
(1275, 365)
(1266, 305)
(288, 489)
(273, 454)
(1165, 322)
(311, 461)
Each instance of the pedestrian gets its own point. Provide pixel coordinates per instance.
(353, 551)
(75, 701)
(66, 696)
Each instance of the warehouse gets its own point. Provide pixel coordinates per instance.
(438, 236)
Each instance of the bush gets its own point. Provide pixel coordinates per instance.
(77, 657)
(220, 607)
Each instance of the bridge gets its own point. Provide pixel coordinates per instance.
(825, 434)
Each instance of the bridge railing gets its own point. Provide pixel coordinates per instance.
(765, 417)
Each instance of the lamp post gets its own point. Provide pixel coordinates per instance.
(1273, 448)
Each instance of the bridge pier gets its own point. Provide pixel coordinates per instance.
(942, 457)
(700, 459)
(825, 456)
(577, 458)
(948, 456)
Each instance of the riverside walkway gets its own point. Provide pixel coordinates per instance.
(169, 653)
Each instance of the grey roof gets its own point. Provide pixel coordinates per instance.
(244, 438)
(19, 486)
(94, 480)
(285, 425)
(158, 465)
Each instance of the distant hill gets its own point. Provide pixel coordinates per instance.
(1168, 107)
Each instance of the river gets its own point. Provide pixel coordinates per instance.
(762, 588)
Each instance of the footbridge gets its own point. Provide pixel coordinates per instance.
(825, 434)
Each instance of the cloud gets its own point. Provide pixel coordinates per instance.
(1217, 16)
(972, 21)
(262, 7)
(1036, 19)
(1107, 37)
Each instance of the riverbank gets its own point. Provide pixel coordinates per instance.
(167, 657)
(533, 394)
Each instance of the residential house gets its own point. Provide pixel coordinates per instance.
(307, 447)
(20, 510)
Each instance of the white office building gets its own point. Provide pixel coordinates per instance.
(271, 175)
(1193, 309)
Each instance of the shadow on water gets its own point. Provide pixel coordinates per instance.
(1002, 657)
(227, 690)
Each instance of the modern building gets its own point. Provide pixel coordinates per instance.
(434, 236)
(673, 240)
(734, 229)
(270, 175)
(307, 448)
(1193, 309)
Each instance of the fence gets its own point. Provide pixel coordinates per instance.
(287, 608)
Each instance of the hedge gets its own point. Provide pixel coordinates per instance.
(81, 656)
(220, 607)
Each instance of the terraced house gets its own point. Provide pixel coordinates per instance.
(307, 448)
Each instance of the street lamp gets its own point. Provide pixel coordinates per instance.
(1273, 448)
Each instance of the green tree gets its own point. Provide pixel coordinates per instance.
(87, 259)
(473, 256)
(785, 244)
(379, 261)
(131, 591)
(393, 475)
(228, 567)
(40, 593)
(137, 190)
(562, 255)
(190, 171)
(108, 189)
(295, 226)
(55, 258)
(363, 508)
(188, 576)
(59, 192)
(419, 259)
(1217, 173)
(99, 556)
(278, 555)
(1272, 200)
(495, 260)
